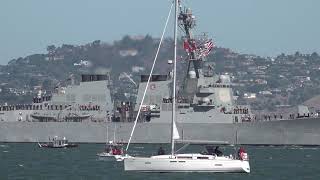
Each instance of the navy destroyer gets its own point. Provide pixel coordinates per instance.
(206, 109)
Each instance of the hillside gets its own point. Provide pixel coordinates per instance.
(263, 82)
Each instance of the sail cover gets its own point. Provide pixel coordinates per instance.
(175, 131)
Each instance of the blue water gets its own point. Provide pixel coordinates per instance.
(27, 161)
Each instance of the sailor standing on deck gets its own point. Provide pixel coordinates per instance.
(241, 152)
(217, 151)
(161, 151)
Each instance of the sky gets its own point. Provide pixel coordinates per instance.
(262, 27)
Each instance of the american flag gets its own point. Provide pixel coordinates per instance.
(207, 47)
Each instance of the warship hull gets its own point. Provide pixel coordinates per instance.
(282, 132)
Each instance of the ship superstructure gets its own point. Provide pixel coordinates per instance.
(206, 109)
(90, 100)
(203, 94)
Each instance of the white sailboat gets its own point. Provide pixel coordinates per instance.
(174, 162)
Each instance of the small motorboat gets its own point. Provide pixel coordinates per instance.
(57, 142)
(113, 151)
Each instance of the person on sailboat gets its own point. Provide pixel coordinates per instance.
(217, 151)
(241, 153)
(161, 151)
(209, 150)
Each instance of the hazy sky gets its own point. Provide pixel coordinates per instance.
(263, 27)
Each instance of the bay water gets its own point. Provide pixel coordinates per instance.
(28, 161)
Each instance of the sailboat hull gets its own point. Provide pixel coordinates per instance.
(111, 157)
(167, 164)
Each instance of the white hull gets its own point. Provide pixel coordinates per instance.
(193, 163)
(111, 157)
(122, 157)
(108, 156)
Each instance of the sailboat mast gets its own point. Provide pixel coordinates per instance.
(114, 132)
(174, 74)
(107, 134)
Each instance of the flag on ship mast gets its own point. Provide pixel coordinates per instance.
(207, 48)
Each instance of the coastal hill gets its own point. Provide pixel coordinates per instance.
(313, 102)
(264, 82)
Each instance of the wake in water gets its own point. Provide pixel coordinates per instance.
(287, 147)
(4, 146)
(138, 147)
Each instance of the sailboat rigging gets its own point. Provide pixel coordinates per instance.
(173, 123)
(149, 78)
(113, 149)
(194, 162)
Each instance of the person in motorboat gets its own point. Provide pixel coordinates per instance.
(161, 151)
(108, 149)
(114, 151)
(117, 151)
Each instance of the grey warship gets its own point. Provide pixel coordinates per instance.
(206, 109)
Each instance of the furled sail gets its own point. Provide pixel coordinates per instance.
(175, 131)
